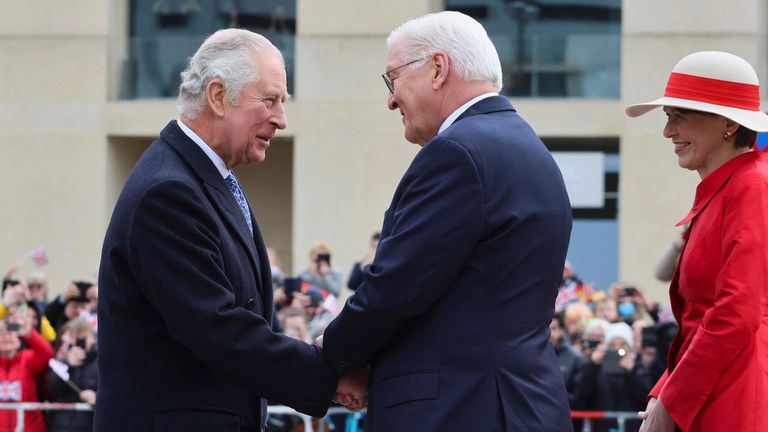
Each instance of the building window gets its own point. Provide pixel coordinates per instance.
(165, 33)
(553, 48)
(590, 168)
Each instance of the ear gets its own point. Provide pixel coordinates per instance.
(440, 70)
(215, 95)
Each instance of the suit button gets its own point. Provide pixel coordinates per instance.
(250, 304)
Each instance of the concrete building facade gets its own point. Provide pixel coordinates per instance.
(67, 141)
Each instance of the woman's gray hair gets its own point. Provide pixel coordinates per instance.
(227, 55)
(464, 40)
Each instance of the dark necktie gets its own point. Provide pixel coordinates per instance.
(234, 186)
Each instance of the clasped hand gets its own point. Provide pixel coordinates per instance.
(352, 389)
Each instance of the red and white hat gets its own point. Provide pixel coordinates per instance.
(715, 82)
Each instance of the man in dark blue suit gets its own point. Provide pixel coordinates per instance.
(185, 304)
(453, 314)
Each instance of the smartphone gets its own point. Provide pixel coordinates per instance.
(590, 343)
(83, 286)
(611, 362)
(12, 326)
(650, 337)
(324, 257)
(630, 291)
(290, 286)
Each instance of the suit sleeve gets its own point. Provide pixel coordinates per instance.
(177, 261)
(734, 319)
(434, 225)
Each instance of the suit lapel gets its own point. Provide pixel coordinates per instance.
(218, 192)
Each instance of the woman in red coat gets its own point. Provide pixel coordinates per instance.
(19, 373)
(717, 373)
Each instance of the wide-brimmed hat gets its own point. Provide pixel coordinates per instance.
(715, 82)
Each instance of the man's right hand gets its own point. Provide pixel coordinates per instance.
(352, 390)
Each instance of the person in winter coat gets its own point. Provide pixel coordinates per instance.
(20, 370)
(78, 352)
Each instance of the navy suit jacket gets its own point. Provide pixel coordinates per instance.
(453, 315)
(185, 307)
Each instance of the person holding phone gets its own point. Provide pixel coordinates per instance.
(68, 305)
(20, 370)
(319, 272)
(77, 349)
(613, 378)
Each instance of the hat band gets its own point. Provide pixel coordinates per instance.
(715, 91)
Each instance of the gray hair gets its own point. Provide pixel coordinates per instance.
(227, 55)
(464, 40)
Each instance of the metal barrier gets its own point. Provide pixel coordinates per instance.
(620, 416)
(22, 407)
(351, 424)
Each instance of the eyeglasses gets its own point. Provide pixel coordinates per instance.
(388, 80)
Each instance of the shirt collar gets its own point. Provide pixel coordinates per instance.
(711, 184)
(452, 118)
(218, 162)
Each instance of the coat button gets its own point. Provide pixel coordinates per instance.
(250, 304)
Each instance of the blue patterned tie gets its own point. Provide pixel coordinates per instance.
(234, 186)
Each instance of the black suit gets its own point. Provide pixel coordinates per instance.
(454, 312)
(185, 307)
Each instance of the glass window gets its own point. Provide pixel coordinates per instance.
(165, 33)
(553, 48)
(594, 246)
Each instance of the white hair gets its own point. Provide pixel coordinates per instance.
(228, 55)
(464, 40)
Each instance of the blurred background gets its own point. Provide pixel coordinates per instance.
(86, 86)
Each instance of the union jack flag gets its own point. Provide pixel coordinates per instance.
(38, 256)
(10, 391)
(566, 294)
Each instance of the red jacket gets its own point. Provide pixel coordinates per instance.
(717, 378)
(18, 382)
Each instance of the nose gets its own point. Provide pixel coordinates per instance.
(391, 103)
(669, 130)
(278, 117)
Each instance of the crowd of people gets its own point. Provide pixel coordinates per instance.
(611, 345)
(38, 337)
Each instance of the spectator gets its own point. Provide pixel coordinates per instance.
(667, 265)
(276, 267)
(319, 272)
(37, 283)
(356, 275)
(569, 276)
(20, 370)
(577, 315)
(317, 314)
(606, 309)
(569, 359)
(614, 378)
(594, 335)
(77, 349)
(70, 303)
(295, 324)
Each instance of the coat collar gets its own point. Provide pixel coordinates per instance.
(487, 106)
(709, 187)
(217, 190)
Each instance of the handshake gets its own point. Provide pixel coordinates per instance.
(352, 389)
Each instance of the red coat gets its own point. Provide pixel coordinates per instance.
(717, 378)
(18, 382)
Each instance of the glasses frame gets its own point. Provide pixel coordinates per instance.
(388, 81)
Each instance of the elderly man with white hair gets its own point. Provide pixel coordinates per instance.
(453, 313)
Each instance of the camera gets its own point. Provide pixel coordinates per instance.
(9, 283)
(590, 343)
(83, 287)
(12, 326)
(325, 257)
(80, 342)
